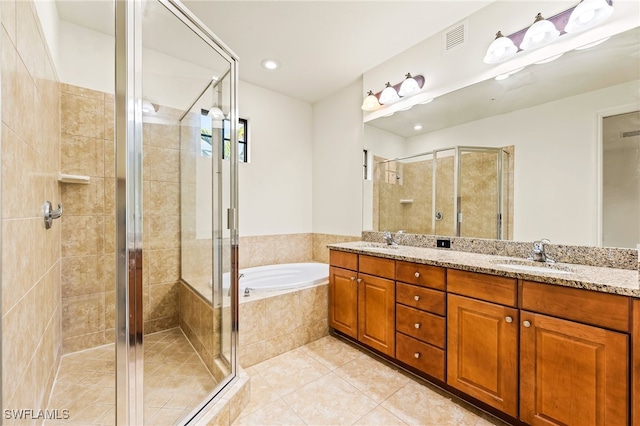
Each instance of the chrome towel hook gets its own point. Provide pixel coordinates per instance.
(50, 214)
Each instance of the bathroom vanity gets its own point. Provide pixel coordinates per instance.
(549, 344)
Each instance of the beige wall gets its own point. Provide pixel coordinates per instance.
(30, 254)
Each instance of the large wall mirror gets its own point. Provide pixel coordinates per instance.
(568, 173)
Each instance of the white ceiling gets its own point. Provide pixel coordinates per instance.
(322, 46)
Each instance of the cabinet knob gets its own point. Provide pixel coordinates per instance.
(353, 278)
(416, 355)
(416, 298)
(359, 280)
(526, 323)
(509, 320)
(417, 325)
(417, 274)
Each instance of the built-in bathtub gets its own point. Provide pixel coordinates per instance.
(286, 307)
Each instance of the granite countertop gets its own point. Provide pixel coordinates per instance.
(606, 280)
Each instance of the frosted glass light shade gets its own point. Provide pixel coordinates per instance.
(409, 86)
(389, 95)
(215, 113)
(541, 33)
(500, 50)
(370, 103)
(587, 14)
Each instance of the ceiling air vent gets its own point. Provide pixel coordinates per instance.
(454, 37)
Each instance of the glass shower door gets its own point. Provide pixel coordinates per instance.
(177, 204)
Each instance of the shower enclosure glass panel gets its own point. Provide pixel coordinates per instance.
(460, 191)
(181, 200)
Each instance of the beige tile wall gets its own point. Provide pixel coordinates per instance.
(271, 326)
(31, 342)
(88, 225)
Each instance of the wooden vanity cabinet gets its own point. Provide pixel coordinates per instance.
(421, 317)
(573, 373)
(362, 299)
(482, 336)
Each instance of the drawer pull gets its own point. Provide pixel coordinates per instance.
(417, 274)
(417, 325)
(526, 323)
(509, 320)
(416, 355)
(416, 298)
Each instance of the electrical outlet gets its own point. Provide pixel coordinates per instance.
(443, 243)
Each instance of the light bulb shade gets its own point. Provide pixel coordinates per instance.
(389, 95)
(587, 14)
(215, 113)
(541, 33)
(370, 103)
(409, 86)
(500, 50)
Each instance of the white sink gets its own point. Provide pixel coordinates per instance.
(376, 246)
(546, 268)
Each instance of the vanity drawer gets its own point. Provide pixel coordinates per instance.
(421, 325)
(422, 298)
(377, 266)
(610, 311)
(485, 287)
(423, 275)
(422, 356)
(344, 260)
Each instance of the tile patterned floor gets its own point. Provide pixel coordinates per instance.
(329, 382)
(175, 381)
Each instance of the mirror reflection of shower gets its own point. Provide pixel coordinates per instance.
(460, 191)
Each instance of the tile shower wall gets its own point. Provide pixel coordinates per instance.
(88, 225)
(31, 308)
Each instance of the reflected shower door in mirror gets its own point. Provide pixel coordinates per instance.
(462, 191)
(551, 114)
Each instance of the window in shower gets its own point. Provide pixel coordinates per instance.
(243, 138)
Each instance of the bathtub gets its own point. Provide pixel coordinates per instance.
(281, 277)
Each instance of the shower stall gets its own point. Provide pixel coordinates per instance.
(116, 312)
(463, 191)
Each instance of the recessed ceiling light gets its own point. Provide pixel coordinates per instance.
(417, 127)
(270, 64)
(502, 77)
(426, 102)
(595, 43)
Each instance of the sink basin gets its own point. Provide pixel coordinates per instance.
(376, 246)
(530, 266)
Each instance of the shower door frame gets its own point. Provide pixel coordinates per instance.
(129, 215)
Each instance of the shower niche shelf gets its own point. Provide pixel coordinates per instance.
(66, 178)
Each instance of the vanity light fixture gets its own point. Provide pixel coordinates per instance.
(215, 113)
(370, 103)
(409, 86)
(595, 43)
(148, 107)
(389, 95)
(541, 33)
(587, 14)
(500, 50)
(549, 59)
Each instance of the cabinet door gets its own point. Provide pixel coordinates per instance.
(571, 373)
(343, 301)
(482, 354)
(376, 318)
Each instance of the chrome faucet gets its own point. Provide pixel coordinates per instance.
(389, 239)
(539, 253)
